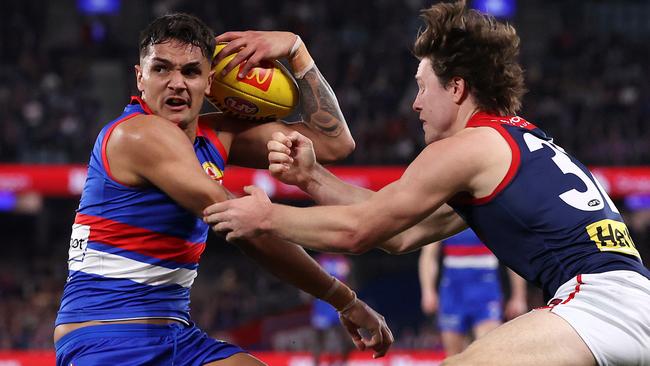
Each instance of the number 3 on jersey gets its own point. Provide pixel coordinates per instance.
(609, 235)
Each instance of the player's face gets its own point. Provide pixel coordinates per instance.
(434, 104)
(173, 79)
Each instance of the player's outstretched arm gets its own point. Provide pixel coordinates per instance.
(322, 119)
(293, 265)
(470, 161)
(292, 161)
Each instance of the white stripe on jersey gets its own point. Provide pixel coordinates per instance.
(114, 266)
(471, 261)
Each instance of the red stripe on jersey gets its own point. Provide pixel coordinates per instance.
(139, 240)
(144, 105)
(485, 120)
(107, 168)
(463, 250)
(209, 133)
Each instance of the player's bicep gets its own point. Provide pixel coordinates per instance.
(166, 159)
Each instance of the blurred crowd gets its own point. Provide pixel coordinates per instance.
(588, 87)
(64, 74)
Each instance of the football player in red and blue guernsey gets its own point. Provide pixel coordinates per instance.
(539, 210)
(138, 233)
(469, 302)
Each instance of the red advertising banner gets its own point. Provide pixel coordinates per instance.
(394, 358)
(68, 180)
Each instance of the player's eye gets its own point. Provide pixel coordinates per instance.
(193, 71)
(159, 68)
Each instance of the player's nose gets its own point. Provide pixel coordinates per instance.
(176, 80)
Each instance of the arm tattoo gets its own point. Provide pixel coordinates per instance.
(320, 108)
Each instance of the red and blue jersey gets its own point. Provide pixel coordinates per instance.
(134, 252)
(549, 219)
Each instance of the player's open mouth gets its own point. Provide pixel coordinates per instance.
(176, 103)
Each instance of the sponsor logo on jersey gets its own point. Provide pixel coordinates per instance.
(240, 105)
(612, 236)
(78, 242)
(259, 77)
(213, 170)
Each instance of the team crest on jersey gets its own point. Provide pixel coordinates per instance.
(213, 171)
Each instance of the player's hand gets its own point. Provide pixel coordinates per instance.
(515, 307)
(291, 158)
(361, 316)
(252, 47)
(429, 303)
(241, 218)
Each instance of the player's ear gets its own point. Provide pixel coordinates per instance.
(138, 77)
(209, 85)
(458, 88)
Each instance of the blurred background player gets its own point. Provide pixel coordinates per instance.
(330, 336)
(469, 302)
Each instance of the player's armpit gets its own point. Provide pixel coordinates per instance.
(153, 151)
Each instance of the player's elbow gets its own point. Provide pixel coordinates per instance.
(356, 240)
(337, 149)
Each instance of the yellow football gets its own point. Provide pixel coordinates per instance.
(267, 92)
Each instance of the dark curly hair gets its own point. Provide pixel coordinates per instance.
(465, 43)
(181, 27)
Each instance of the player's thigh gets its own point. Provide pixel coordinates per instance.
(537, 338)
(238, 359)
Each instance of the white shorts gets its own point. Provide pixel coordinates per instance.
(611, 312)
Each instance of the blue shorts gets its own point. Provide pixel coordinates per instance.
(140, 344)
(468, 299)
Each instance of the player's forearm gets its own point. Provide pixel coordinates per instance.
(291, 264)
(330, 228)
(327, 189)
(320, 109)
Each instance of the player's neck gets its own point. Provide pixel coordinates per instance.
(465, 112)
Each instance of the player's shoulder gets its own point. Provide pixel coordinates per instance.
(480, 140)
(144, 126)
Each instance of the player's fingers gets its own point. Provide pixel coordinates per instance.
(222, 227)
(251, 190)
(240, 58)
(252, 60)
(229, 36)
(387, 340)
(277, 146)
(375, 339)
(277, 169)
(353, 331)
(229, 48)
(214, 218)
(215, 208)
(232, 237)
(279, 158)
(302, 139)
(281, 138)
